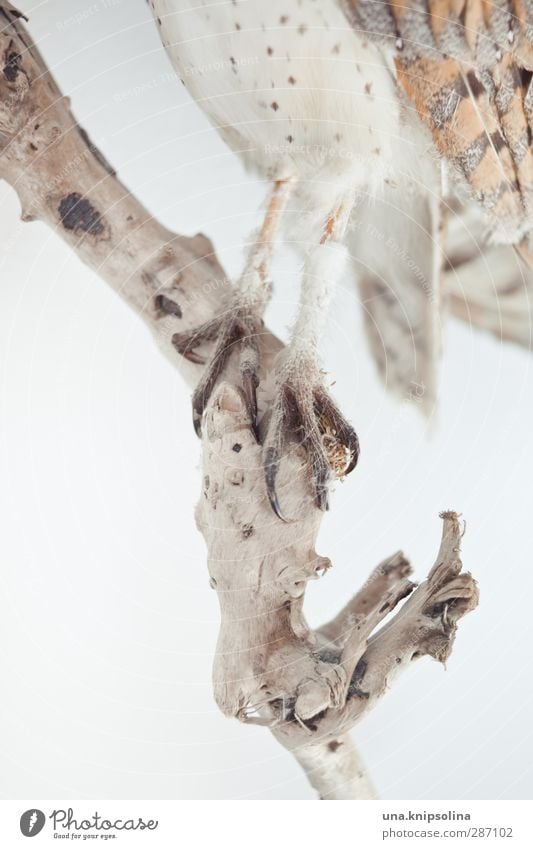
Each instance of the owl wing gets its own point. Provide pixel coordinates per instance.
(466, 65)
(397, 261)
(485, 285)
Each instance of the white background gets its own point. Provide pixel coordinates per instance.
(107, 622)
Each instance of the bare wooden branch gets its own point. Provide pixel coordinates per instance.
(390, 575)
(309, 687)
(334, 768)
(172, 282)
(270, 668)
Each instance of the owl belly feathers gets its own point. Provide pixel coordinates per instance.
(290, 87)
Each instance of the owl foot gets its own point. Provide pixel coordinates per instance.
(239, 327)
(304, 407)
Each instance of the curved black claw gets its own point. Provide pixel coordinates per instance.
(234, 327)
(8, 8)
(249, 368)
(330, 441)
(271, 467)
(186, 343)
(250, 382)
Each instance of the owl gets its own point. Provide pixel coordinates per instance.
(356, 113)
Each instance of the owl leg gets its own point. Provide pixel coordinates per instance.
(238, 328)
(302, 406)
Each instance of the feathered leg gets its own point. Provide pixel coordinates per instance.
(240, 325)
(302, 404)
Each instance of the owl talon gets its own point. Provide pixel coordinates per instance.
(330, 441)
(236, 327)
(271, 468)
(250, 382)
